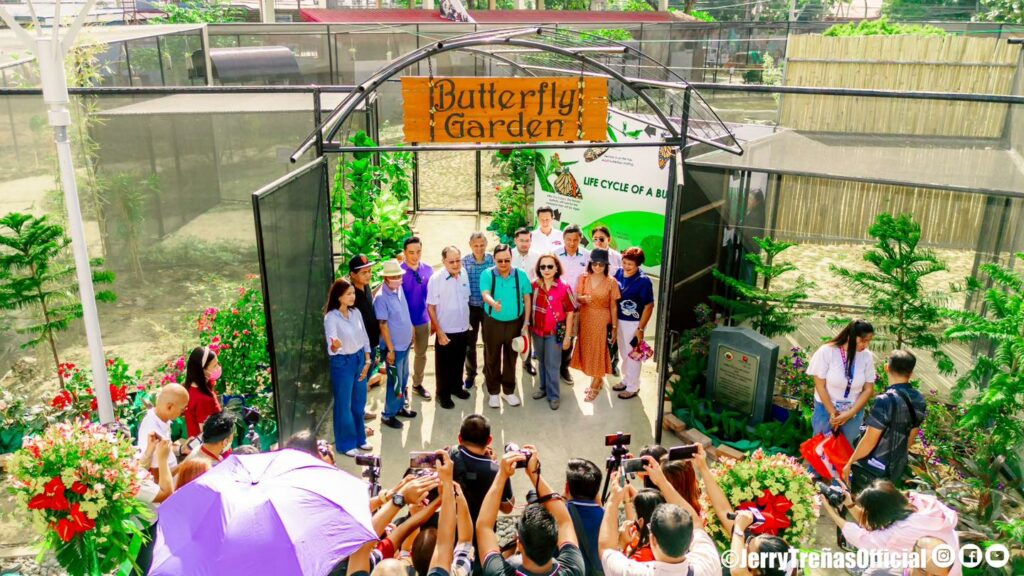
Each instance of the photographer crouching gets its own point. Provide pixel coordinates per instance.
(887, 519)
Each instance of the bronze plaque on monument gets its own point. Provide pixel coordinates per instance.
(736, 379)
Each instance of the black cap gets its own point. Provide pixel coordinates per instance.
(599, 256)
(358, 263)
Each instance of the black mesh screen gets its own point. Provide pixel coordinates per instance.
(293, 236)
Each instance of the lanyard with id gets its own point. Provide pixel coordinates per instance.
(848, 373)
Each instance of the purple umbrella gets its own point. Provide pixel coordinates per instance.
(279, 513)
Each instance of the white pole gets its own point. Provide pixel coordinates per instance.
(50, 55)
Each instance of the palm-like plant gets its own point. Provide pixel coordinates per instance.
(998, 379)
(904, 312)
(771, 312)
(36, 275)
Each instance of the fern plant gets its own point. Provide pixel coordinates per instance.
(772, 312)
(376, 197)
(36, 275)
(904, 312)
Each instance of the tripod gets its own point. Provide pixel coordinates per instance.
(613, 463)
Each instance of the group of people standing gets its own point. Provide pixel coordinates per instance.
(546, 298)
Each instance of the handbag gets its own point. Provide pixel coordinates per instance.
(827, 453)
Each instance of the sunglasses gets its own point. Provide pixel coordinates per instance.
(547, 266)
(504, 261)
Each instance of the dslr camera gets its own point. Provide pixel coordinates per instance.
(834, 495)
(512, 447)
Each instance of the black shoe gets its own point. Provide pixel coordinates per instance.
(392, 423)
(615, 371)
(422, 392)
(530, 368)
(446, 403)
(461, 394)
(469, 382)
(406, 413)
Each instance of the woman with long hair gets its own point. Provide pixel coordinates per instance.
(683, 478)
(598, 295)
(636, 306)
(202, 370)
(640, 512)
(844, 380)
(349, 349)
(554, 307)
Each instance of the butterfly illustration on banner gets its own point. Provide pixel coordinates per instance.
(566, 184)
(592, 154)
(665, 154)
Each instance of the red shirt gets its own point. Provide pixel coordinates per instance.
(551, 307)
(200, 407)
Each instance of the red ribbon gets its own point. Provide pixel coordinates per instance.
(774, 508)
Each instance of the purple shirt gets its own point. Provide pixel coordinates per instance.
(414, 284)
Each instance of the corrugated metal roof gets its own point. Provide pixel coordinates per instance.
(973, 166)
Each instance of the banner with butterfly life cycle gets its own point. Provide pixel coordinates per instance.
(624, 189)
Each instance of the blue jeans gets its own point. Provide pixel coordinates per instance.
(397, 389)
(549, 361)
(820, 424)
(349, 400)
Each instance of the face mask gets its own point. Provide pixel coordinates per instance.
(215, 375)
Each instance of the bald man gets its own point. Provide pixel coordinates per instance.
(170, 403)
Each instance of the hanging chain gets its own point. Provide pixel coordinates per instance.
(580, 84)
(430, 83)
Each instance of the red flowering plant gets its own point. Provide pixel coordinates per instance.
(777, 485)
(129, 393)
(79, 481)
(237, 333)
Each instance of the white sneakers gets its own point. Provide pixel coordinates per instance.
(352, 453)
(366, 447)
(511, 399)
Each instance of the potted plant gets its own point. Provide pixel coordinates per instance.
(79, 481)
(794, 388)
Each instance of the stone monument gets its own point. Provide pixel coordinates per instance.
(741, 371)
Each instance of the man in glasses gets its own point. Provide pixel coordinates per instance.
(448, 307)
(507, 295)
(414, 285)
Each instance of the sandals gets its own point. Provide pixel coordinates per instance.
(592, 393)
(369, 431)
(628, 395)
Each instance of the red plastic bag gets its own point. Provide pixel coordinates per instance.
(827, 453)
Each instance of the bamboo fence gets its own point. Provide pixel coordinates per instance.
(840, 211)
(837, 211)
(911, 63)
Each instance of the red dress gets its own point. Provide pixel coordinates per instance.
(200, 407)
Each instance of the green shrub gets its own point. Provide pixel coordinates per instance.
(882, 27)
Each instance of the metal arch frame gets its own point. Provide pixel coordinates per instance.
(329, 127)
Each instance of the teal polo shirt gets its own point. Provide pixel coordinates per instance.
(504, 290)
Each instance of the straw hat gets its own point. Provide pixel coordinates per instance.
(392, 268)
(521, 344)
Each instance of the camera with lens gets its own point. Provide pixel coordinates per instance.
(758, 519)
(250, 416)
(371, 464)
(834, 495)
(368, 460)
(512, 447)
